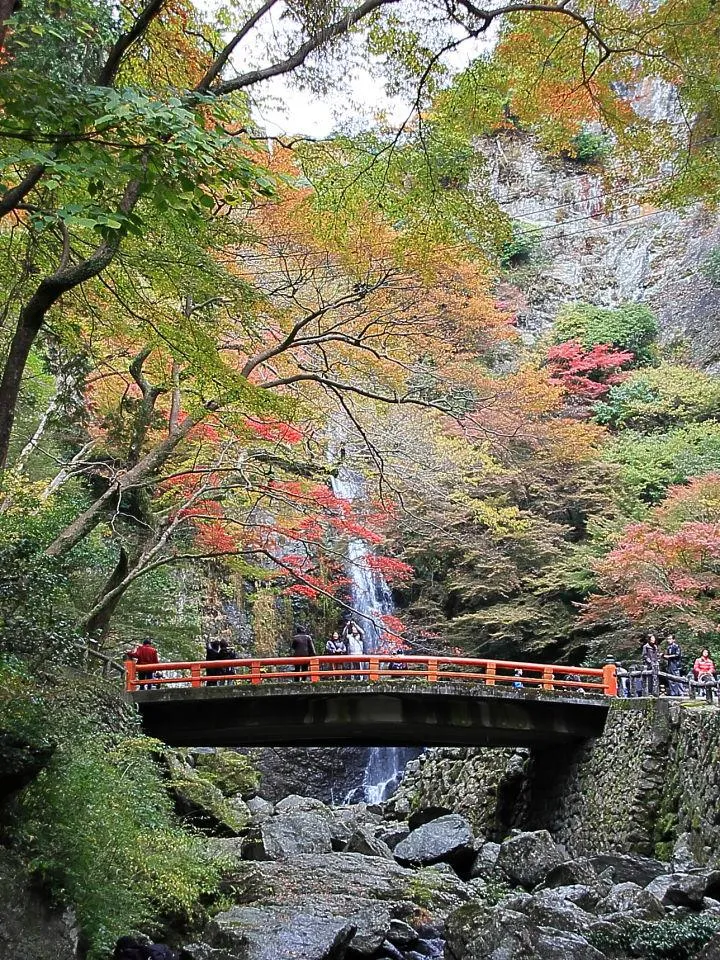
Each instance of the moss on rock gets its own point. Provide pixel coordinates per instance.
(232, 773)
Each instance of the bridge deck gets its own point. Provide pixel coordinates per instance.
(384, 713)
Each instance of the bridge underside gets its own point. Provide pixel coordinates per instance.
(379, 714)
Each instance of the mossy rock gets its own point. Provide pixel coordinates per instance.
(203, 804)
(232, 773)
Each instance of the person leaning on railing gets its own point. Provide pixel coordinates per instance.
(145, 653)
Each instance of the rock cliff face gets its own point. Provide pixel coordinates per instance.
(599, 244)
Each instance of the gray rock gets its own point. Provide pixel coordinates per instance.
(570, 873)
(627, 869)
(401, 934)
(294, 834)
(584, 896)
(679, 890)
(447, 839)
(486, 860)
(711, 950)
(550, 909)
(528, 858)
(683, 858)
(201, 951)
(630, 899)
(352, 875)
(278, 933)
(395, 834)
(363, 841)
(260, 809)
(711, 906)
(478, 933)
(297, 804)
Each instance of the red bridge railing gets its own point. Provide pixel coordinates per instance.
(372, 668)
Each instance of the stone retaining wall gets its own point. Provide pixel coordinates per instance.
(652, 778)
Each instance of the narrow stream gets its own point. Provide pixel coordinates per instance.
(372, 597)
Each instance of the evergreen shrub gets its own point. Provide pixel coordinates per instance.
(588, 147)
(631, 327)
(668, 939)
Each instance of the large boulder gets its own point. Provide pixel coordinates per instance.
(352, 875)
(528, 858)
(628, 869)
(277, 933)
(630, 900)
(298, 804)
(288, 836)
(232, 773)
(447, 839)
(364, 841)
(476, 932)
(679, 889)
(203, 805)
(571, 872)
(395, 834)
(201, 802)
(485, 862)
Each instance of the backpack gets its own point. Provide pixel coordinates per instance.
(161, 952)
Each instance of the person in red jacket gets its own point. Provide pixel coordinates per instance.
(704, 670)
(144, 653)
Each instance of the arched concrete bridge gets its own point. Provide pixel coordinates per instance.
(373, 701)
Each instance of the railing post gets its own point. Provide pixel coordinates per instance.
(255, 676)
(547, 679)
(432, 670)
(195, 676)
(490, 675)
(130, 676)
(374, 668)
(610, 686)
(314, 669)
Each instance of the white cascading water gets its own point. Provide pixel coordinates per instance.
(372, 599)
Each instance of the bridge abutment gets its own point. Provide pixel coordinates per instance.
(651, 778)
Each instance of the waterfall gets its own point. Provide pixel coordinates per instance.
(371, 597)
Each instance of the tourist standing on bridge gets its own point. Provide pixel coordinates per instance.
(651, 666)
(356, 647)
(213, 652)
(145, 653)
(302, 646)
(227, 653)
(704, 670)
(335, 647)
(673, 659)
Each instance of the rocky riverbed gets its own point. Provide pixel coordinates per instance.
(312, 882)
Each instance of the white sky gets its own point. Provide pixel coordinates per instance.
(282, 108)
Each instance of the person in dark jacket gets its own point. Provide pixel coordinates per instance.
(213, 652)
(302, 645)
(227, 653)
(651, 665)
(673, 662)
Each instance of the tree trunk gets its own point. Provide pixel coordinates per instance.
(98, 620)
(32, 316)
(26, 331)
(143, 470)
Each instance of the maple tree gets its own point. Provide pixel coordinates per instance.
(587, 374)
(666, 570)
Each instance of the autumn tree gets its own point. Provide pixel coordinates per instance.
(665, 571)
